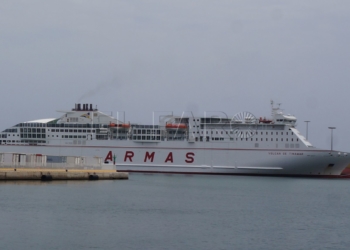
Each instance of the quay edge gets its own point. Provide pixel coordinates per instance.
(60, 174)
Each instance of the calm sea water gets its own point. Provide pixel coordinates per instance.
(176, 212)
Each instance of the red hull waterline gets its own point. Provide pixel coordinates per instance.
(342, 176)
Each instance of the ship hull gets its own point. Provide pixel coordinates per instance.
(197, 158)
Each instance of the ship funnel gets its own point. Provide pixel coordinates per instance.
(79, 108)
(91, 107)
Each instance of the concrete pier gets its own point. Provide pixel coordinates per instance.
(60, 174)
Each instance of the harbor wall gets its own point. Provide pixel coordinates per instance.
(15, 160)
(60, 174)
(14, 166)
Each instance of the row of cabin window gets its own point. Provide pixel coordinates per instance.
(120, 132)
(287, 145)
(146, 126)
(120, 137)
(33, 130)
(9, 141)
(176, 138)
(276, 133)
(5, 136)
(10, 130)
(73, 130)
(65, 125)
(232, 132)
(146, 131)
(33, 135)
(43, 136)
(157, 138)
(232, 139)
(41, 125)
(73, 136)
(208, 138)
(262, 139)
(216, 139)
(174, 132)
(38, 130)
(267, 139)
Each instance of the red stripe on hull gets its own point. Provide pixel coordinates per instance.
(270, 175)
(346, 171)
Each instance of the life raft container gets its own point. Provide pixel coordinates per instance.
(261, 120)
(176, 126)
(119, 125)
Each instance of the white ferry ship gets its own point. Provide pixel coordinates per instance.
(242, 144)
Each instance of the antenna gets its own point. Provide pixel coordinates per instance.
(274, 110)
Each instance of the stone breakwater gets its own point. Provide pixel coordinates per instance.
(60, 174)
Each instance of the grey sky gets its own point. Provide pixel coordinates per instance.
(143, 56)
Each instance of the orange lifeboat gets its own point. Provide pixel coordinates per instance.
(261, 120)
(125, 125)
(120, 125)
(176, 126)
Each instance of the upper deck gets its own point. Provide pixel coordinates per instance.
(85, 123)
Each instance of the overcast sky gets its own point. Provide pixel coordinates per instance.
(143, 56)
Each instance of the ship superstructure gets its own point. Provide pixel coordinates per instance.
(242, 144)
